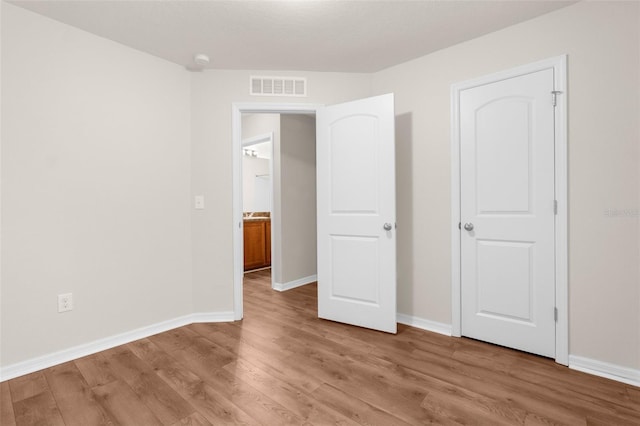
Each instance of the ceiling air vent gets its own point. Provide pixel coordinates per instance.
(277, 86)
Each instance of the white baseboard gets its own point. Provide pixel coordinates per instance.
(45, 361)
(607, 370)
(619, 373)
(225, 316)
(622, 374)
(424, 324)
(296, 283)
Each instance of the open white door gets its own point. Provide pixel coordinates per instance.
(356, 213)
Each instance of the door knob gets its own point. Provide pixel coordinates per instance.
(387, 227)
(468, 226)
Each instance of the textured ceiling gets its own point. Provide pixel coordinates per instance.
(348, 36)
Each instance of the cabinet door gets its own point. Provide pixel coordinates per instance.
(255, 255)
(268, 240)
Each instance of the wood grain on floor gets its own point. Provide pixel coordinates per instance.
(281, 365)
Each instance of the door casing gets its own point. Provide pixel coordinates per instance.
(559, 65)
(236, 122)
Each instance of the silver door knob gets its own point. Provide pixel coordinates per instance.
(387, 227)
(468, 226)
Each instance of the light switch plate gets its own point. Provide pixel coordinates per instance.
(199, 202)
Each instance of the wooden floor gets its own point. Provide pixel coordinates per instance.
(282, 365)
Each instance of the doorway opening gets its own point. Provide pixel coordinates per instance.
(258, 132)
(355, 261)
(296, 181)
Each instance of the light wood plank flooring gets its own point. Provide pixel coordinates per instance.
(283, 366)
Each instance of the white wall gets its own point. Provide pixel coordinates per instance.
(259, 124)
(298, 197)
(95, 187)
(602, 42)
(1, 132)
(213, 93)
(252, 167)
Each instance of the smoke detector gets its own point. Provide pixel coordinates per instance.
(201, 59)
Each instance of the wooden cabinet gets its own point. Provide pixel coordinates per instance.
(268, 238)
(257, 244)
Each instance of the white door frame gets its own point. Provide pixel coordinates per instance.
(237, 109)
(559, 66)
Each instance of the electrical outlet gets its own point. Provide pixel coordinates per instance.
(65, 302)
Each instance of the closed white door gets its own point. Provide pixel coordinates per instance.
(356, 213)
(507, 212)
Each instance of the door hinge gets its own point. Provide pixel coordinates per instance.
(554, 97)
(555, 314)
(459, 225)
(555, 206)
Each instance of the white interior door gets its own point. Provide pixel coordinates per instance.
(356, 213)
(507, 212)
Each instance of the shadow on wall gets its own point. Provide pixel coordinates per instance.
(404, 211)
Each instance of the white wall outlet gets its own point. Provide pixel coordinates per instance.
(65, 302)
(199, 202)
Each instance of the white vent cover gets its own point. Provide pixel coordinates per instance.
(277, 86)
